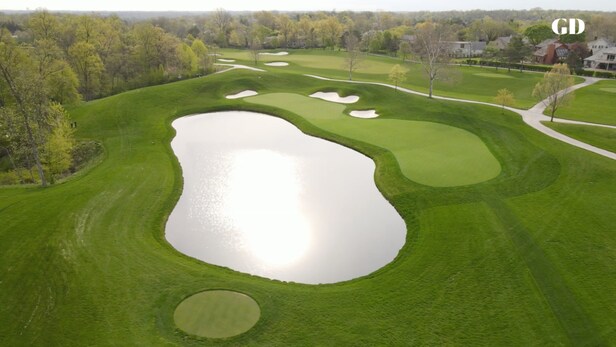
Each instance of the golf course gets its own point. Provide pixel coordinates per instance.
(509, 232)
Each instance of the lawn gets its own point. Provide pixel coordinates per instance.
(594, 104)
(473, 83)
(597, 136)
(525, 258)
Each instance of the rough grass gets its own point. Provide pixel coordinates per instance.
(594, 103)
(217, 314)
(429, 153)
(524, 259)
(597, 136)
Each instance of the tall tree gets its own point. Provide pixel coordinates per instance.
(20, 77)
(554, 89)
(353, 58)
(404, 50)
(205, 62)
(222, 21)
(59, 146)
(516, 51)
(431, 48)
(538, 32)
(88, 66)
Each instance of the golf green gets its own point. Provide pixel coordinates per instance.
(217, 314)
(429, 153)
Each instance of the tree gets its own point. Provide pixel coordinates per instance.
(18, 73)
(404, 50)
(88, 66)
(222, 20)
(538, 32)
(198, 47)
(553, 89)
(516, 51)
(187, 59)
(577, 53)
(255, 48)
(58, 149)
(353, 58)
(504, 97)
(397, 75)
(431, 48)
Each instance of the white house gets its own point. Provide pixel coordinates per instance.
(466, 49)
(604, 60)
(598, 45)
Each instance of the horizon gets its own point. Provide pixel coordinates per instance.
(316, 5)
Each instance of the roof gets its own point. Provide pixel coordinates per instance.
(602, 55)
(546, 43)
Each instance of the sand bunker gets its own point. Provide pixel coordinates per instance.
(364, 114)
(242, 94)
(277, 63)
(277, 53)
(226, 60)
(334, 97)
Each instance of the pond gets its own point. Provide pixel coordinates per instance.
(261, 197)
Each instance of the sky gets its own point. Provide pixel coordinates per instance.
(282, 5)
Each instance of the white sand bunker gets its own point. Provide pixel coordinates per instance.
(277, 63)
(334, 97)
(242, 94)
(226, 60)
(277, 53)
(364, 114)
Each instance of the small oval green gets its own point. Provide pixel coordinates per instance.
(217, 314)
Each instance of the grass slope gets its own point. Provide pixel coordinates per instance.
(472, 83)
(524, 259)
(597, 136)
(429, 153)
(594, 104)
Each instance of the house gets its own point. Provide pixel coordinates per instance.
(550, 51)
(604, 60)
(598, 45)
(500, 43)
(466, 49)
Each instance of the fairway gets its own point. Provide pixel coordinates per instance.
(597, 136)
(473, 83)
(594, 103)
(429, 153)
(217, 314)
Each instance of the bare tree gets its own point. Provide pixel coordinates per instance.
(554, 88)
(255, 48)
(222, 20)
(353, 58)
(432, 50)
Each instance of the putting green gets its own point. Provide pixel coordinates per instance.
(429, 153)
(609, 90)
(217, 314)
(492, 75)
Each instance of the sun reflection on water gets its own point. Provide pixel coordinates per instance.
(263, 205)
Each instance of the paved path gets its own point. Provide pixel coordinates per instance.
(238, 66)
(533, 117)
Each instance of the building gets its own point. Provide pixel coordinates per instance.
(604, 60)
(550, 51)
(466, 49)
(598, 45)
(501, 42)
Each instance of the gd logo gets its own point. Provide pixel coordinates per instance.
(572, 26)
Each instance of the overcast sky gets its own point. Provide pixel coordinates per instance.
(282, 5)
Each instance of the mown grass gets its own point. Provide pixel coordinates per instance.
(217, 314)
(597, 136)
(594, 103)
(473, 83)
(526, 258)
(429, 153)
